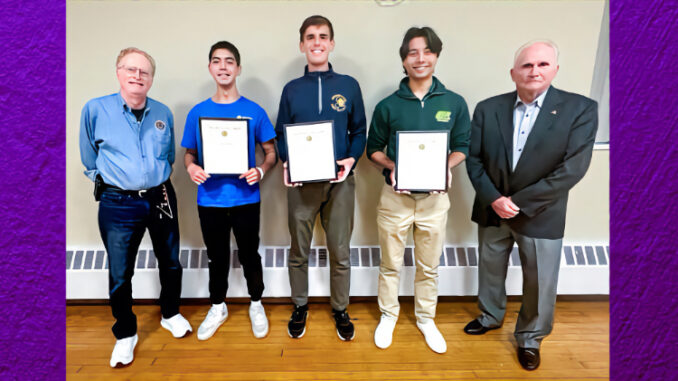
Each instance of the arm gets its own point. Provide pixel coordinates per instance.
(569, 171)
(485, 189)
(254, 175)
(88, 147)
(283, 118)
(357, 128)
(195, 172)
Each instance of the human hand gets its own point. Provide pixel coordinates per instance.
(346, 165)
(285, 180)
(197, 174)
(505, 208)
(253, 175)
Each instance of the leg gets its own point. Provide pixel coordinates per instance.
(336, 216)
(303, 205)
(246, 231)
(395, 215)
(540, 260)
(430, 220)
(164, 232)
(215, 224)
(494, 247)
(121, 224)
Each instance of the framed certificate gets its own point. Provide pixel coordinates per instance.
(310, 151)
(421, 160)
(225, 145)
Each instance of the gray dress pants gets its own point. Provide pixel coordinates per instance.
(540, 262)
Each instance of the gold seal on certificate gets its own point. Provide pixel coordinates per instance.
(421, 160)
(225, 145)
(310, 151)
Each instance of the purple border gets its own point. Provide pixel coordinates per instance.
(644, 166)
(644, 163)
(32, 201)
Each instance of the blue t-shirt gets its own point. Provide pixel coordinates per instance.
(226, 191)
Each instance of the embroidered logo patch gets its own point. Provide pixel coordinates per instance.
(159, 124)
(338, 102)
(443, 116)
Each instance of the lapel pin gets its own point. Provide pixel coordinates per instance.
(554, 112)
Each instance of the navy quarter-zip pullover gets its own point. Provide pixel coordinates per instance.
(320, 96)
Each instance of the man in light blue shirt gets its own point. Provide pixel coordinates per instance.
(127, 147)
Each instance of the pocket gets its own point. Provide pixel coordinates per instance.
(161, 143)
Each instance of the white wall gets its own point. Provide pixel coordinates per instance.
(479, 39)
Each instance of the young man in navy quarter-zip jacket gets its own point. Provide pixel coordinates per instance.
(321, 94)
(421, 103)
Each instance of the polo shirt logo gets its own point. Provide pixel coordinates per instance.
(443, 116)
(338, 102)
(159, 124)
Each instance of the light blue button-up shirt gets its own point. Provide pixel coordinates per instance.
(126, 153)
(524, 116)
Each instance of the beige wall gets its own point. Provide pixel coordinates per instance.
(479, 40)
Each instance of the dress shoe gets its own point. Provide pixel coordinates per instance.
(475, 328)
(528, 358)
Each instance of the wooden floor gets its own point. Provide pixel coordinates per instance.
(577, 348)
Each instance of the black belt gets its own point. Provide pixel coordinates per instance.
(138, 193)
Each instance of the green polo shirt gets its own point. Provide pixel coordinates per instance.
(440, 109)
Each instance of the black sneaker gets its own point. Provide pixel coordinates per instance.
(297, 324)
(345, 329)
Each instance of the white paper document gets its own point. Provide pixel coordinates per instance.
(225, 148)
(421, 160)
(310, 151)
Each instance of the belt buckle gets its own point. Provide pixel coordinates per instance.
(142, 192)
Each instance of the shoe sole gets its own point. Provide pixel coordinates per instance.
(214, 331)
(481, 333)
(349, 339)
(296, 337)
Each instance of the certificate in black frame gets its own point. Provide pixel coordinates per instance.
(446, 135)
(246, 150)
(289, 162)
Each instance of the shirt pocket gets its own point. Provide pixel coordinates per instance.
(162, 141)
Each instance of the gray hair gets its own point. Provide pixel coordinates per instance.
(537, 41)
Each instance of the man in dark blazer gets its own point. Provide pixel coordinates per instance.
(528, 149)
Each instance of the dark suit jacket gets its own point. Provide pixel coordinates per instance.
(556, 156)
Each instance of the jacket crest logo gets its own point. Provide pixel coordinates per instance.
(338, 102)
(159, 124)
(443, 116)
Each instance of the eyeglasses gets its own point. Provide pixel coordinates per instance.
(131, 70)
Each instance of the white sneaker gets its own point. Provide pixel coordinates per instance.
(216, 316)
(433, 337)
(123, 351)
(177, 325)
(258, 319)
(383, 335)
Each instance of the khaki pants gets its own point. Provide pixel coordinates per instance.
(396, 213)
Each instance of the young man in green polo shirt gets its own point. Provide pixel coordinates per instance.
(421, 103)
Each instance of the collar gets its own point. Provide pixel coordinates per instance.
(123, 105)
(539, 101)
(404, 90)
(327, 73)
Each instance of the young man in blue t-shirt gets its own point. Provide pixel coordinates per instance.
(228, 202)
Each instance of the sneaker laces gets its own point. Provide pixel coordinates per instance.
(259, 316)
(214, 313)
(342, 318)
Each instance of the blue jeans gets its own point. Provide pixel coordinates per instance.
(123, 219)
